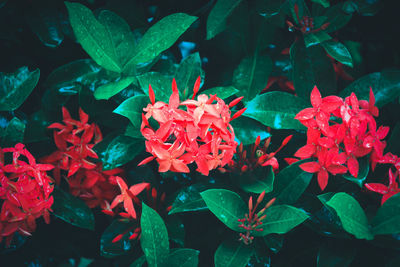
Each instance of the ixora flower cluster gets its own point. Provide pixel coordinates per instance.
(75, 141)
(339, 131)
(25, 191)
(202, 133)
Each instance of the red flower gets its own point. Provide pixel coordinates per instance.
(386, 191)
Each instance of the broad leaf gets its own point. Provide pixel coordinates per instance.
(311, 67)
(256, 181)
(186, 74)
(16, 87)
(351, 215)
(290, 183)
(311, 39)
(183, 257)
(385, 84)
(160, 37)
(324, 3)
(111, 249)
(189, 199)
(251, 76)
(281, 219)
(362, 172)
(387, 219)
(216, 21)
(338, 51)
(227, 206)
(72, 210)
(176, 230)
(221, 92)
(160, 83)
(110, 89)
(132, 108)
(336, 17)
(14, 133)
(247, 130)
(276, 110)
(154, 237)
(93, 36)
(232, 253)
(120, 151)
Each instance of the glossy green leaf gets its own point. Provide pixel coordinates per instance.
(336, 254)
(311, 67)
(189, 199)
(338, 51)
(120, 151)
(110, 89)
(324, 3)
(216, 21)
(72, 210)
(93, 36)
(111, 249)
(16, 87)
(183, 257)
(257, 180)
(14, 133)
(120, 34)
(160, 37)
(281, 219)
(387, 219)
(160, 83)
(290, 183)
(276, 110)
(385, 84)
(232, 253)
(351, 215)
(247, 130)
(186, 74)
(362, 172)
(154, 237)
(222, 92)
(226, 205)
(311, 39)
(132, 108)
(251, 76)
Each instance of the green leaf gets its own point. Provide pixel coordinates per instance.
(160, 37)
(216, 21)
(232, 253)
(183, 257)
(93, 36)
(176, 230)
(160, 83)
(16, 87)
(189, 199)
(351, 215)
(247, 130)
(338, 51)
(256, 181)
(222, 92)
(72, 210)
(154, 237)
(138, 262)
(120, 34)
(226, 205)
(14, 133)
(362, 172)
(311, 39)
(186, 74)
(251, 76)
(336, 254)
(276, 110)
(387, 219)
(290, 183)
(132, 108)
(281, 219)
(274, 242)
(311, 67)
(336, 17)
(324, 3)
(385, 84)
(111, 249)
(110, 89)
(120, 151)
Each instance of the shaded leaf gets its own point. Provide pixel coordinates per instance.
(387, 219)
(362, 172)
(111, 249)
(189, 199)
(132, 108)
(186, 74)
(222, 92)
(232, 253)
(110, 89)
(160, 83)
(338, 51)
(315, 38)
(14, 133)
(216, 21)
(335, 254)
(247, 130)
(274, 242)
(257, 180)
(183, 257)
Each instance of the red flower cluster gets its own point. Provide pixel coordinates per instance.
(339, 132)
(202, 133)
(253, 220)
(75, 141)
(25, 190)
